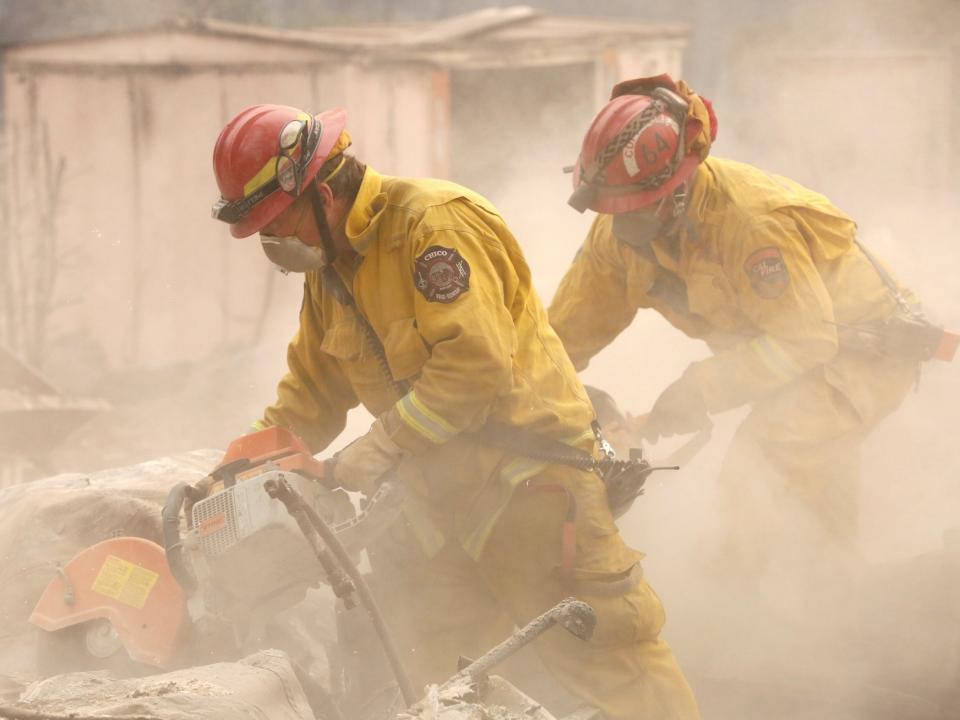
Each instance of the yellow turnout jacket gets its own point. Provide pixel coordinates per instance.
(444, 285)
(763, 270)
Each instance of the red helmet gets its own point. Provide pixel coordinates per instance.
(637, 150)
(259, 142)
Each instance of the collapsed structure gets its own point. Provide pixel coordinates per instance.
(427, 99)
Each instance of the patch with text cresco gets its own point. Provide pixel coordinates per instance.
(767, 272)
(441, 274)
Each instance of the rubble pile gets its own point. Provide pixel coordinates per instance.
(47, 522)
(262, 686)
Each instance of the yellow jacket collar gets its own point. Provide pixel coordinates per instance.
(696, 203)
(366, 211)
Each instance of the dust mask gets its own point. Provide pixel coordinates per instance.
(638, 230)
(290, 254)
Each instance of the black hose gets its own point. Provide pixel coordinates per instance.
(283, 490)
(368, 602)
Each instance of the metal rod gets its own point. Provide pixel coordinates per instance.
(280, 489)
(574, 615)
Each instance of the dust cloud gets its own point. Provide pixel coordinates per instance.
(804, 634)
(852, 99)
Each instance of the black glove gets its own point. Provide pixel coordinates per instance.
(679, 410)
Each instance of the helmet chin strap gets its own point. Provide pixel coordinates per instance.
(326, 235)
(330, 277)
(680, 198)
(678, 208)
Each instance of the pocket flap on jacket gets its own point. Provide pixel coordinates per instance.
(344, 340)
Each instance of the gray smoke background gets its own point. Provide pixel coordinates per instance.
(858, 99)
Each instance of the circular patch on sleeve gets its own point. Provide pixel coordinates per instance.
(767, 272)
(441, 274)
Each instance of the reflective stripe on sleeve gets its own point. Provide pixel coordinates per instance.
(423, 420)
(780, 362)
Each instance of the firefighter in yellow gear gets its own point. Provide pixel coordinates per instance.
(418, 304)
(767, 272)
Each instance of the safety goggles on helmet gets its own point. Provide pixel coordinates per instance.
(289, 171)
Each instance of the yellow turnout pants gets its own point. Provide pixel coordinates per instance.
(793, 467)
(451, 605)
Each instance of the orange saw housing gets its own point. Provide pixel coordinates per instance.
(127, 581)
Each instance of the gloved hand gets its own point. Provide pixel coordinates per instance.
(679, 410)
(361, 465)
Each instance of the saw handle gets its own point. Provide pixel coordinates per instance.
(227, 472)
(172, 545)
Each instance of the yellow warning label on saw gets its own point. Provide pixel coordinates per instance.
(125, 582)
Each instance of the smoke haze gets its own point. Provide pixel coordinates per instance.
(856, 99)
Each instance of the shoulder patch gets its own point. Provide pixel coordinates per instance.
(441, 274)
(767, 272)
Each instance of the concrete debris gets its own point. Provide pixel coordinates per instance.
(47, 522)
(492, 699)
(259, 687)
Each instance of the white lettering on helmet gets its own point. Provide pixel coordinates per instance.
(630, 150)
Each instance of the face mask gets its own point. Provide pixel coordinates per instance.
(638, 230)
(290, 254)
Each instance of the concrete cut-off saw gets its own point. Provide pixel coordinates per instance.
(248, 552)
